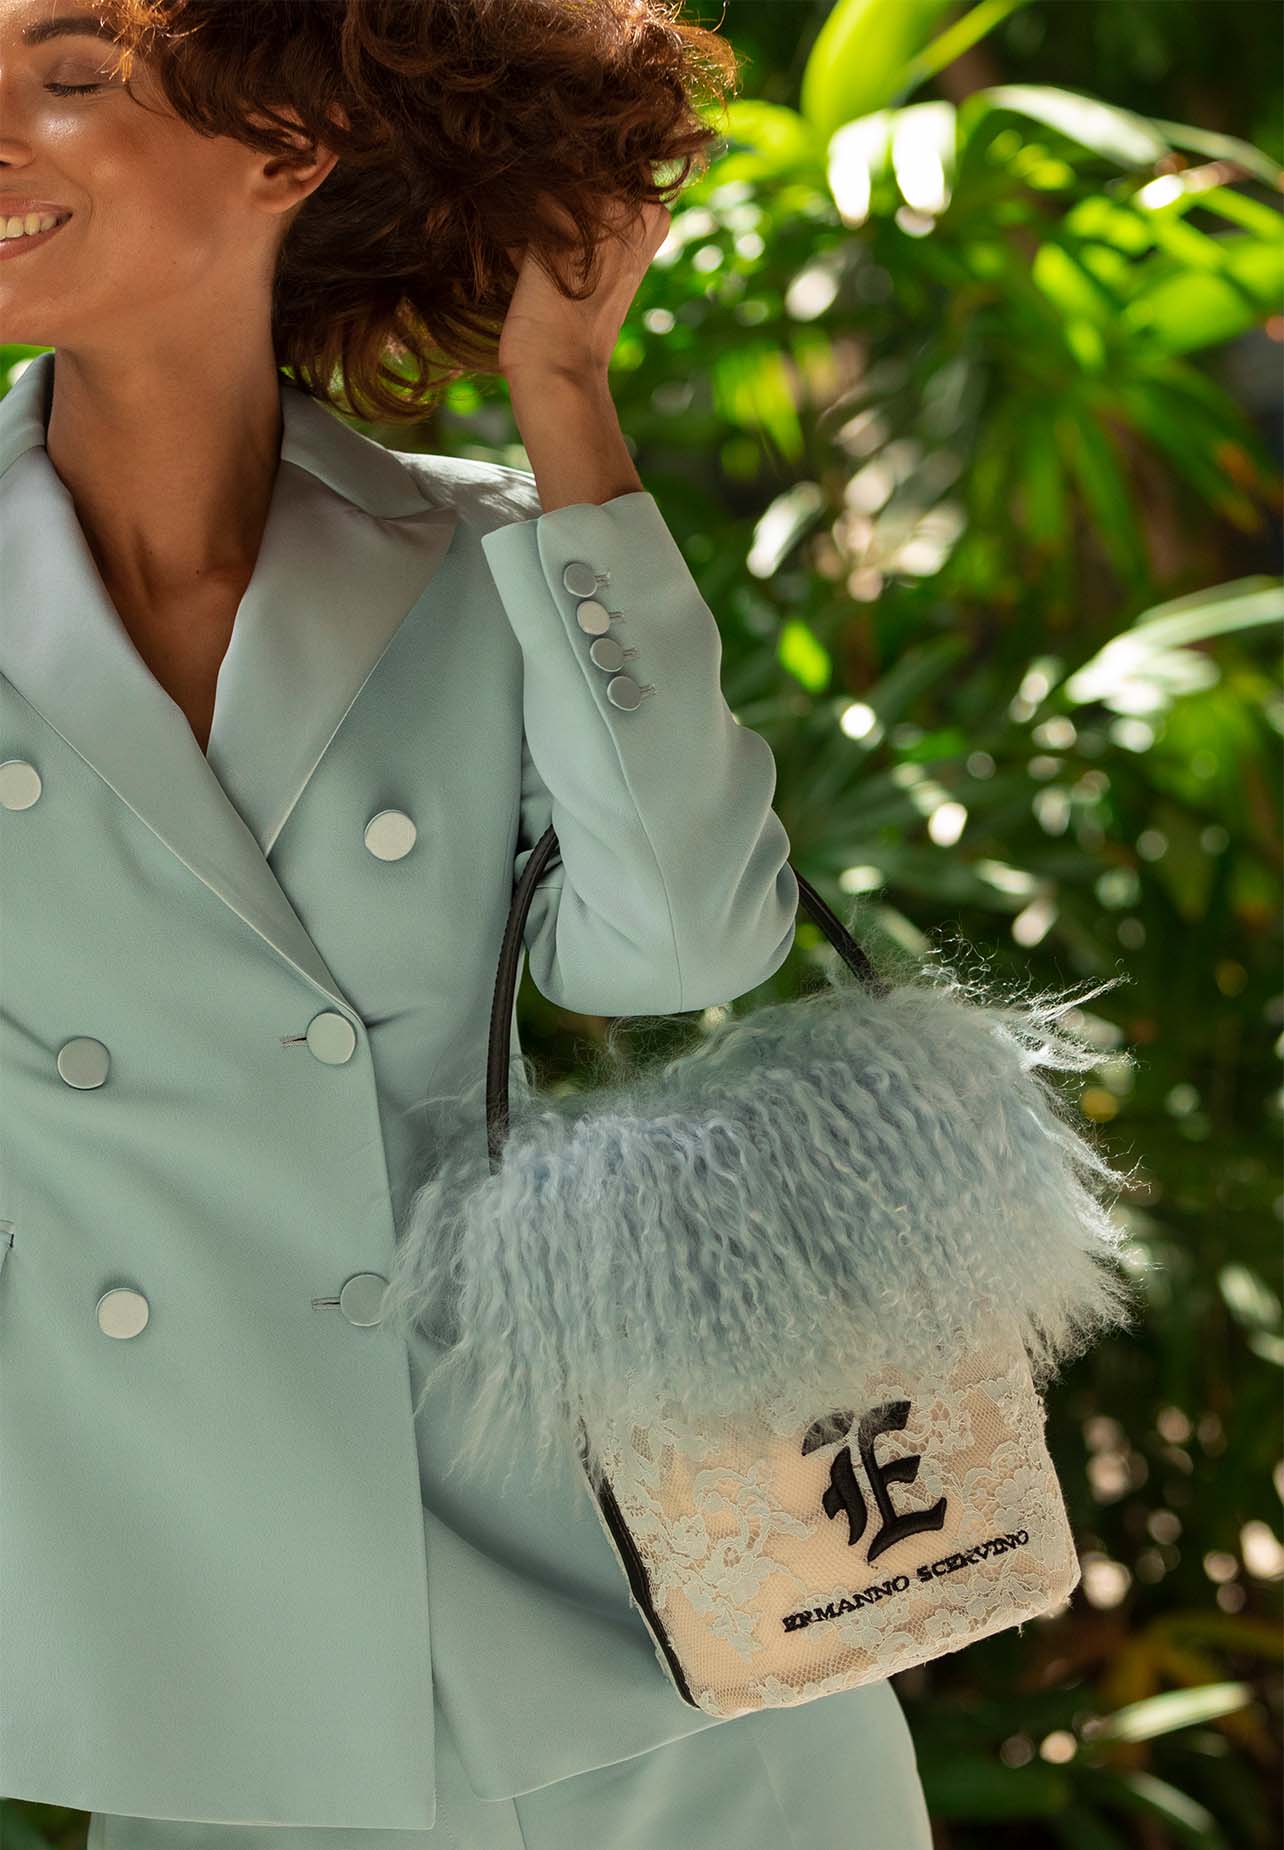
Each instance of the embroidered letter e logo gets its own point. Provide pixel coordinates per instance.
(844, 1493)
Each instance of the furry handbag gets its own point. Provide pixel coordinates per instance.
(784, 1300)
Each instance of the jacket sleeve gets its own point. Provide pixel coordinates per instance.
(673, 890)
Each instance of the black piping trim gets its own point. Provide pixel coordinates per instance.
(639, 1584)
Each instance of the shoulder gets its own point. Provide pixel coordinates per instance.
(485, 494)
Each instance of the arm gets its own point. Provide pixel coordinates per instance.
(673, 891)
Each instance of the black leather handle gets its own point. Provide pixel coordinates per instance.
(501, 1011)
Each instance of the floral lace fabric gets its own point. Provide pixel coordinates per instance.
(802, 1551)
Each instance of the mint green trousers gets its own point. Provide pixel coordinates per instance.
(838, 1773)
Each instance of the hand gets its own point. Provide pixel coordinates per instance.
(545, 333)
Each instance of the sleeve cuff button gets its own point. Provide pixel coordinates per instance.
(592, 617)
(580, 579)
(606, 653)
(624, 692)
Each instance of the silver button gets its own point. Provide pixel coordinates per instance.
(122, 1313)
(83, 1062)
(361, 1299)
(606, 653)
(623, 691)
(331, 1037)
(19, 783)
(579, 578)
(390, 834)
(593, 617)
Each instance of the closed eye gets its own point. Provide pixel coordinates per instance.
(73, 89)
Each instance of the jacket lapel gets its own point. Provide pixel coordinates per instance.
(350, 546)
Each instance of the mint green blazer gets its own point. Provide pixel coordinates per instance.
(231, 1577)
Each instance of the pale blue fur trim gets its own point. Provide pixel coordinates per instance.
(835, 1181)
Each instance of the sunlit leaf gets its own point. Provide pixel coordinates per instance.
(859, 61)
(1074, 290)
(959, 36)
(1248, 1297)
(1112, 221)
(1241, 209)
(1193, 1822)
(1185, 310)
(781, 525)
(766, 140)
(1172, 1709)
(751, 388)
(1194, 249)
(805, 656)
(858, 159)
(1198, 615)
(1116, 134)
(1220, 148)
(1174, 625)
(923, 150)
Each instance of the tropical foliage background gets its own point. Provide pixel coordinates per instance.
(957, 380)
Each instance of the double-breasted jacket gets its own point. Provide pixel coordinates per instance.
(232, 1576)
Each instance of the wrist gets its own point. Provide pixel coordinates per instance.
(570, 429)
(572, 382)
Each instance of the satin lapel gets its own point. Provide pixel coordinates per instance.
(330, 589)
(350, 546)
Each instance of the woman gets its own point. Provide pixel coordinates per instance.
(284, 713)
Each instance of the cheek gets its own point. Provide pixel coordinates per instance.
(181, 223)
(150, 219)
(152, 190)
(155, 229)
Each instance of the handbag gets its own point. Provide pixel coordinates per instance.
(788, 1301)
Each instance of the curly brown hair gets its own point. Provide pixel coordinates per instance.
(454, 121)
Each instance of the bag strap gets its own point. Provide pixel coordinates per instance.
(505, 996)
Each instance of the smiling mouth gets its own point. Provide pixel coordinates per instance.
(24, 240)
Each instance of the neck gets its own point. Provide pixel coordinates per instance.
(170, 465)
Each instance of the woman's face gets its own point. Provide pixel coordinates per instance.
(171, 235)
